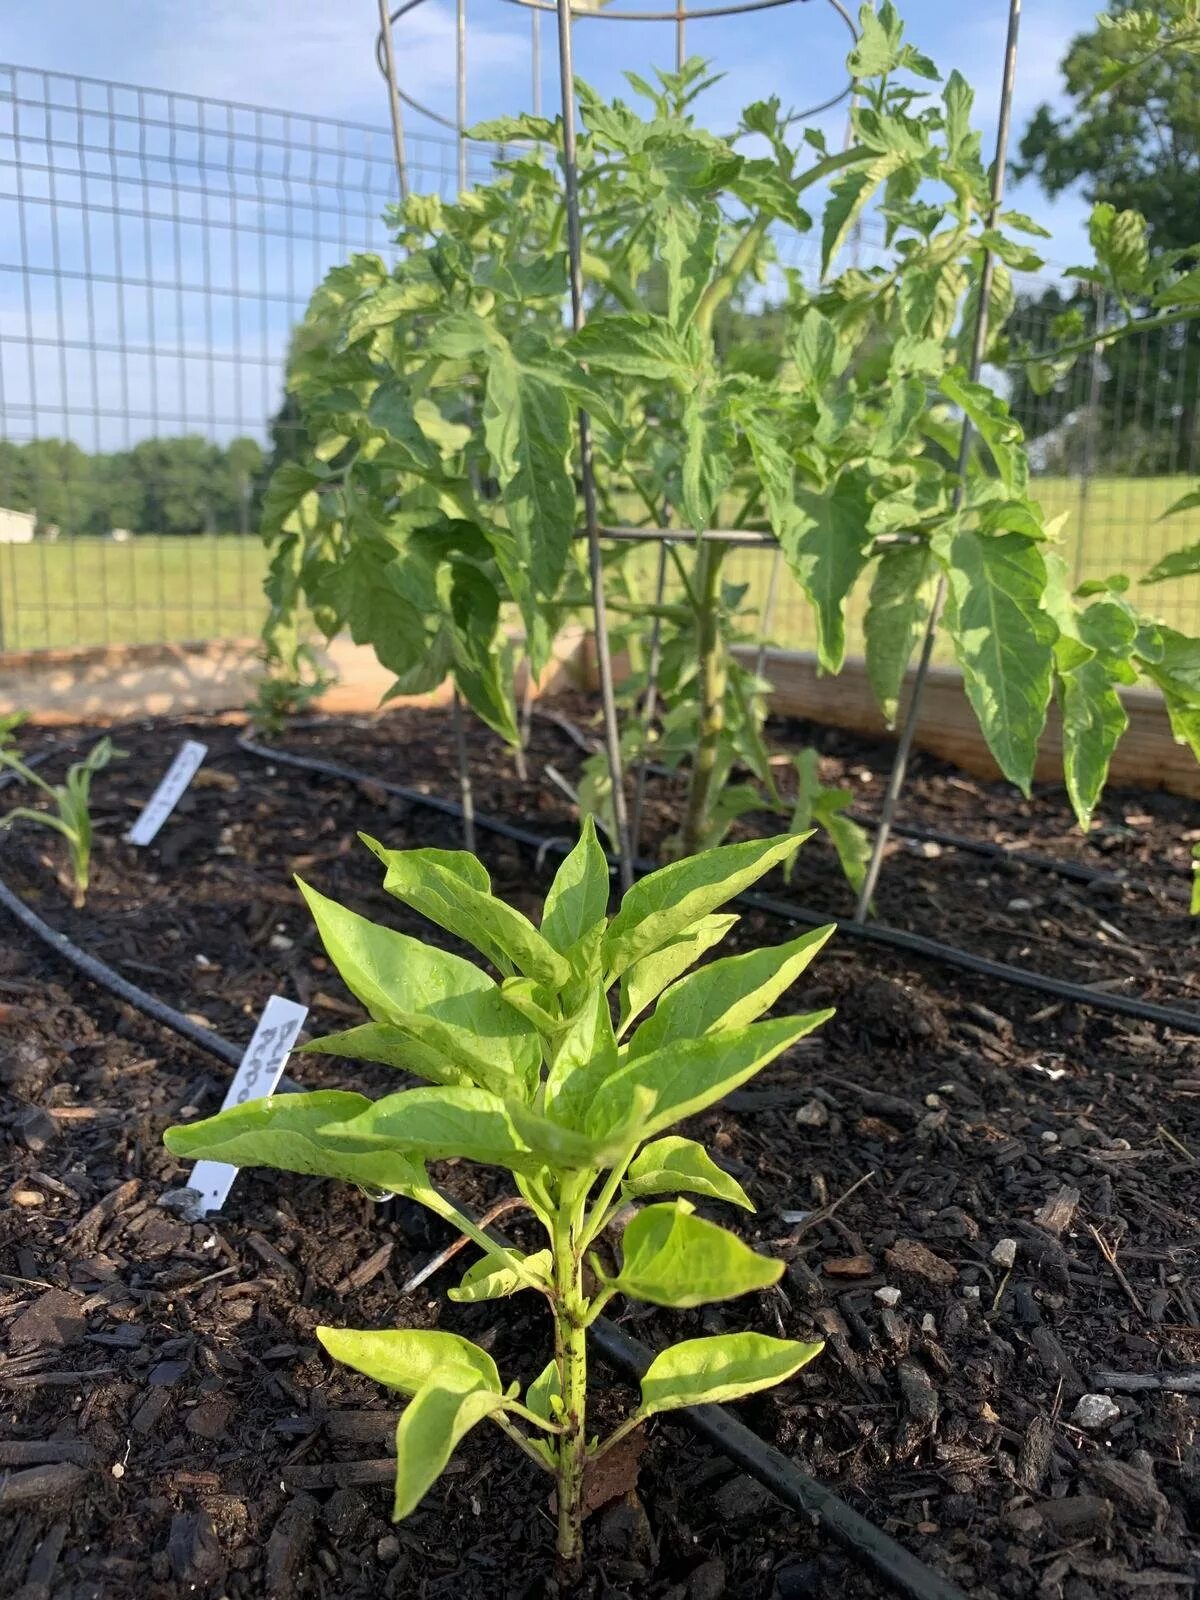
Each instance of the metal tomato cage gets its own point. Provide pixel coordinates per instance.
(567, 15)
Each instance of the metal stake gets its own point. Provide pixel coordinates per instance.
(1087, 469)
(524, 724)
(650, 704)
(908, 732)
(460, 73)
(680, 37)
(612, 734)
(768, 611)
(535, 59)
(465, 791)
(389, 64)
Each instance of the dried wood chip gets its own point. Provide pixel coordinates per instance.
(1057, 1213)
(920, 1397)
(341, 1474)
(50, 1322)
(848, 1267)
(615, 1474)
(37, 1452)
(287, 1548)
(1033, 1459)
(194, 1550)
(370, 1268)
(41, 1486)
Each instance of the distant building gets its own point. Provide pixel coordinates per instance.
(16, 527)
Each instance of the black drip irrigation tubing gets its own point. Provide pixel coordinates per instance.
(1012, 853)
(106, 978)
(871, 932)
(865, 1542)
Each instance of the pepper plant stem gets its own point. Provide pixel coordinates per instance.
(570, 1348)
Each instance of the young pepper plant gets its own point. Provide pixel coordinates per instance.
(555, 1072)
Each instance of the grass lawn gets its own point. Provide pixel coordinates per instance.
(90, 591)
(1115, 528)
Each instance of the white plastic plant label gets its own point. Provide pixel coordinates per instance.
(260, 1070)
(166, 797)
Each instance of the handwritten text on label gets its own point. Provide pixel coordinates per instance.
(166, 797)
(260, 1070)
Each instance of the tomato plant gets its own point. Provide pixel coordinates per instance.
(440, 495)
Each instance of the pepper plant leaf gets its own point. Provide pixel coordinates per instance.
(493, 1279)
(449, 1010)
(681, 1166)
(391, 1047)
(577, 901)
(646, 979)
(727, 994)
(500, 932)
(432, 1124)
(727, 1366)
(406, 1359)
(295, 1133)
(685, 1076)
(435, 1420)
(671, 1257)
(665, 903)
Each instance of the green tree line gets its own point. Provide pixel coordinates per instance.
(1137, 146)
(178, 486)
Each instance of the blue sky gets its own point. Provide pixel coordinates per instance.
(316, 60)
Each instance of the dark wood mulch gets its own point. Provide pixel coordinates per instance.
(171, 1428)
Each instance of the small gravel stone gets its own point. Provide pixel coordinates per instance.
(813, 1114)
(1095, 1411)
(1004, 1253)
(888, 1296)
(35, 1128)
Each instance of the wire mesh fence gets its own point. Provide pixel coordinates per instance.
(156, 252)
